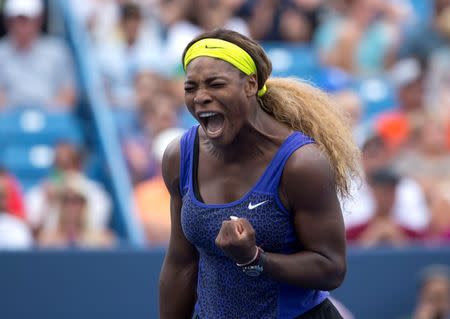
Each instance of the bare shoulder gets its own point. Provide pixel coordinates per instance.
(308, 176)
(171, 166)
(309, 161)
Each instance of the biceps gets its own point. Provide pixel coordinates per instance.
(322, 230)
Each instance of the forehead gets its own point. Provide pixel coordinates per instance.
(203, 67)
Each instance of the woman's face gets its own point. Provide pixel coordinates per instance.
(72, 208)
(218, 96)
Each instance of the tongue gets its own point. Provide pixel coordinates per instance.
(215, 123)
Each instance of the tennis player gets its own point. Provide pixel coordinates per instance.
(257, 230)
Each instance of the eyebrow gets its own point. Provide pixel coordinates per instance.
(208, 79)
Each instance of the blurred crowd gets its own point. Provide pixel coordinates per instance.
(403, 196)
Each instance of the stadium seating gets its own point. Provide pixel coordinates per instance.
(27, 137)
(377, 94)
(293, 60)
(423, 10)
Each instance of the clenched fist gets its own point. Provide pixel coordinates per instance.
(237, 240)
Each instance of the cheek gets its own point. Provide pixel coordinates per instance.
(238, 108)
(236, 116)
(188, 101)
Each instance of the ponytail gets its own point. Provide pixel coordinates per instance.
(307, 109)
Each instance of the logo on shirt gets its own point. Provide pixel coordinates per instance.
(210, 47)
(251, 206)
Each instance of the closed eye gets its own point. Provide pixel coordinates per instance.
(218, 85)
(189, 89)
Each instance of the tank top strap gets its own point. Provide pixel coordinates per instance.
(186, 149)
(271, 179)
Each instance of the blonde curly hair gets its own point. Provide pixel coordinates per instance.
(304, 108)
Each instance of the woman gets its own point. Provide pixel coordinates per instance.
(72, 226)
(257, 230)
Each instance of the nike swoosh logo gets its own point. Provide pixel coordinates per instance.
(210, 47)
(251, 206)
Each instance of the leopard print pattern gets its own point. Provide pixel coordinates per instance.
(223, 289)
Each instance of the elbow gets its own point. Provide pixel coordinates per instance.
(335, 275)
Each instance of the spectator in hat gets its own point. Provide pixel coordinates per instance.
(43, 199)
(72, 219)
(34, 69)
(397, 127)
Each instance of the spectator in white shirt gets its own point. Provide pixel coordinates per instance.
(42, 201)
(14, 233)
(34, 69)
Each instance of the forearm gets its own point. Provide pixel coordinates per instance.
(306, 269)
(177, 291)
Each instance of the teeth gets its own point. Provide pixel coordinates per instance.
(207, 114)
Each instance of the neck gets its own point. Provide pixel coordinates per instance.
(247, 144)
(130, 41)
(72, 229)
(22, 44)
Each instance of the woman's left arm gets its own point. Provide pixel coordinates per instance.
(308, 189)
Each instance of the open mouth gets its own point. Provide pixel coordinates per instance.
(213, 122)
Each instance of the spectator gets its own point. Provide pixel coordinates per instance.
(398, 127)
(14, 233)
(185, 19)
(439, 73)
(294, 25)
(42, 200)
(428, 36)
(433, 301)
(155, 115)
(439, 229)
(292, 20)
(408, 76)
(360, 42)
(152, 198)
(72, 219)
(147, 85)
(34, 70)
(409, 209)
(128, 51)
(429, 161)
(217, 14)
(14, 199)
(350, 102)
(382, 228)
(99, 17)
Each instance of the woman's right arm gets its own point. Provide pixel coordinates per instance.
(178, 278)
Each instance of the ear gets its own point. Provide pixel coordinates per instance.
(251, 86)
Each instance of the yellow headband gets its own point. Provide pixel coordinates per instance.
(226, 51)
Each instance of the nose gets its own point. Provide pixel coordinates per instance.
(202, 97)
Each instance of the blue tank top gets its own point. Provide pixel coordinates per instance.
(223, 290)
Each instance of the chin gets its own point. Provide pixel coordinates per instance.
(222, 139)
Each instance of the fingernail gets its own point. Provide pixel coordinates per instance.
(234, 218)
